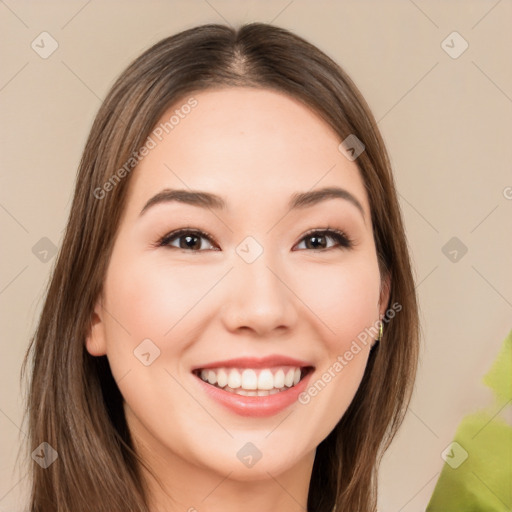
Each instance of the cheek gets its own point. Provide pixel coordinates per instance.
(344, 297)
(153, 300)
(345, 300)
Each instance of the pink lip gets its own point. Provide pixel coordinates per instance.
(255, 362)
(255, 406)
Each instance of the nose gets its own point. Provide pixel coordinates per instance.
(259, 298)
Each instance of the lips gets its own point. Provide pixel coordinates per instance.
(254, 376)
(256, 362)
(255, 402)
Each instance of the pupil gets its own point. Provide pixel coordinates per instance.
(316, 238)
(188, 244)
(191, 242)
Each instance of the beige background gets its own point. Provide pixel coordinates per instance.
(447, 123)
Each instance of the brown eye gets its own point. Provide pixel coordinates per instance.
(318, 240)
(191, 240)
(188, 240)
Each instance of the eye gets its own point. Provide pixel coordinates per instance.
(188, 239)
(317, 239)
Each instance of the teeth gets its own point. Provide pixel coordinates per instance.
(222, 378)
(249, 379)
(234, 379)
(288, 380)
(279, 379)
(265, 380)
(212, 377)
(248, 382)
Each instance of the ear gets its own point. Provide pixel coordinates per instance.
(385, 291)
(95, 341)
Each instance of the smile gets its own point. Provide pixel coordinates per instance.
(253, 382)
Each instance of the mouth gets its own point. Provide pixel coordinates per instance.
(254, 381)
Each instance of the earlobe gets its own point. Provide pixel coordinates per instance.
(95, 342)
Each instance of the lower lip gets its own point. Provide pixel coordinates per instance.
(255, 406)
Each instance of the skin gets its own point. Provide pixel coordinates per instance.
(255, 148)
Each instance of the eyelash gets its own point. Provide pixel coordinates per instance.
(343, 241)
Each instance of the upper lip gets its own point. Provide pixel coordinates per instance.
(255, 362)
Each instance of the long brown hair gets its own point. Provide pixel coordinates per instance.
(73, 401)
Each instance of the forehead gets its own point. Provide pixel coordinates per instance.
(244, 143)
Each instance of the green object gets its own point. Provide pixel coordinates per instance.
(477, 474)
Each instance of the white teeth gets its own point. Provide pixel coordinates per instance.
(266, 380)
(279, 379)
(249, 382)
(234, 379)
(212, 377)
(288, 380)
(222, 378)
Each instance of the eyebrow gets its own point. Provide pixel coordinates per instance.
(208, 200)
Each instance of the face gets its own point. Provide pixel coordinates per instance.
(251, 290)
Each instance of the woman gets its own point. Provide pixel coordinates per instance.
(232, 320)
